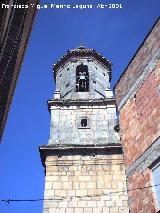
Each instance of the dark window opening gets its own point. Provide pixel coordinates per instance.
(84, 122)
(82, 78)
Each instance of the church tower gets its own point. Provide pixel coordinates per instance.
(83, 160)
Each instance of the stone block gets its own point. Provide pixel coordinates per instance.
(49, 193)
(57, 185)
(61, 192)
(71, 193)
(110, 203)
(100, 185)
(83, 185)
(48, 185)
(81, 192)
(60, 210)
(100, 203)
(76, 185)
(97, 210)
(50, 179)
(70, 210)
(91, 185)
(91, 203)
(106, 210)
(106, 197)
(82, 203)
(63, 204)
(52, 210)
(64, 178)
(123, 210)
(73, 203)
(50, 204)
(78, 210)
(87, 210)
(67, 185)
(114, 209)
(84, 178)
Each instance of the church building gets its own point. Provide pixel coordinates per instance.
(83, 161)
(86, 170)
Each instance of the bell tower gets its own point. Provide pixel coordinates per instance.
(83, 160)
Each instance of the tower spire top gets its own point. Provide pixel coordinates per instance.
(81, 46)
(82, 39)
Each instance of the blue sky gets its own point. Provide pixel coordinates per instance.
(114, 33)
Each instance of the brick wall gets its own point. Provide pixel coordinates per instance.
(136, 66)
(141, 200)
(138, 100)
(140, 118)
(85, 183)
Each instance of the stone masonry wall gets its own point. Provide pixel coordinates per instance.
(66, 129)
(85, 184)
(98, 79)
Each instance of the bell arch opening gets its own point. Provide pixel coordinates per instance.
(82, 78)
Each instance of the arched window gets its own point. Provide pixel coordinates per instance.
(82, 78)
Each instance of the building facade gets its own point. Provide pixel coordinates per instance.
(138, 100)
(83, 159)
(15, 28)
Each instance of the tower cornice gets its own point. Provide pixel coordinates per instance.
(60, 150)
(82, 52)
(91, 102)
